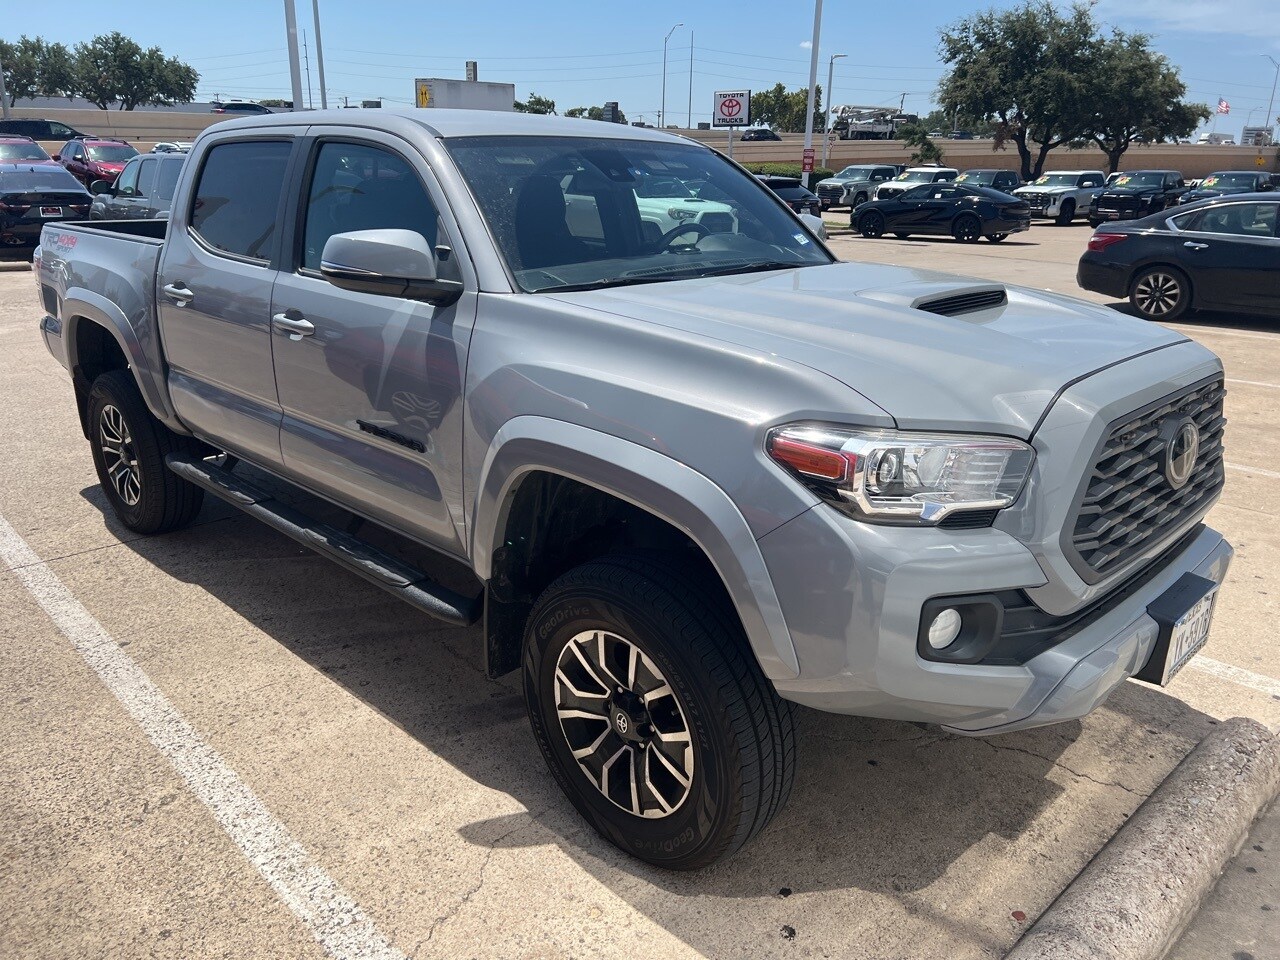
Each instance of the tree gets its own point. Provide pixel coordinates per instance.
(1137, 93)
(784, 109)
(593, 113)
(1028, 68)
(35, 68)
(536, 104)
(917, 135)
(113, 69)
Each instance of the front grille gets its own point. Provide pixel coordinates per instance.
(965, 302)
(1128, 504)
(830, 191)
(717, 222)
(1035, 199)
(1121, 204)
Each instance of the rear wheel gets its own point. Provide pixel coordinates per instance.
(967, 228)
(1160, 293)
(902, 236)
(871, 225)
(129, 446)
(651, 713)
(1066, 213)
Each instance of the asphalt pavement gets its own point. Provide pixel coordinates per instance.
(221, 745)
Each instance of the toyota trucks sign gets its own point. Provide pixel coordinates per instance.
(732, 109)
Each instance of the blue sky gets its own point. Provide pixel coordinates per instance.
(583, 53)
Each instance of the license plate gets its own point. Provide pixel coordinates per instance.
(50, 211)
(1184, 613)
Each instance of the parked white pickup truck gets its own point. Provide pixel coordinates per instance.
(1062, 195)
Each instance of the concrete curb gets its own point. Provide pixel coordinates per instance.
(1135, 897)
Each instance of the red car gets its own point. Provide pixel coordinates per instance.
(24, 150)
(95, 158)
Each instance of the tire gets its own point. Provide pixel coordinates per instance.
(739, 762)
(997, 237)
(871, 225)
(859, 200)
(967, 228)
(1160, 293)
(1095, 222)
(146, 495)
(1066, 213)
(902, 236)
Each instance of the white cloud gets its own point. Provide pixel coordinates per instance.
(1246, 18)
(806, 45)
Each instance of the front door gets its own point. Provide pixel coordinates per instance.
(1234, 254)
(371, 386)
(214, 298)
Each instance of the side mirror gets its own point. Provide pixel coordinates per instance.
(101, 186)
(391, 263)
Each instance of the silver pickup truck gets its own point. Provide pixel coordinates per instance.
(694, 475)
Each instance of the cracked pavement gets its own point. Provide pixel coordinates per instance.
(371, 733)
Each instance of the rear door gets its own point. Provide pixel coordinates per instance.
(1234, 255)
(217, 270)
(371, 393)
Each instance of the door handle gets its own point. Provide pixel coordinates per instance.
(1190, 245)
(296, 327)
(178, 293)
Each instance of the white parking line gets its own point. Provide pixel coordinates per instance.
(1237, 675)
(1255, 383)
(1258, 470)
(332, 917)
(1242, 334)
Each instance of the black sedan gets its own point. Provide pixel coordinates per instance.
(1222, 254)
(1227, 182)
(758, 133)
(948, 209)
(32, 195)
(793, 194)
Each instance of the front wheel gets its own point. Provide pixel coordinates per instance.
(871, 225)
(652, 714)
(129, 446)
(1160, 293)
(967, 229)
(1066, 213)
(997, 237)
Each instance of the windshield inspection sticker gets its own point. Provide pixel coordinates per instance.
(800, 238)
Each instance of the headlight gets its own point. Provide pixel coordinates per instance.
(679, 213)
(890, 476)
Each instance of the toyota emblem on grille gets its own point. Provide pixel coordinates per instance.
(1180, 452)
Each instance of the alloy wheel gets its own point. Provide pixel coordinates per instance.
(967, 230)
(119, 455)
(623, 724)
(1157, 294)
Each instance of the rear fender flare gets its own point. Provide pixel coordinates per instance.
(80, 305)
(664, 487)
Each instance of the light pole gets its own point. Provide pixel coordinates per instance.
(813, 83)
(826, 121)
(324, 97)
(662, 114)
(295, 68)
(1271, 120)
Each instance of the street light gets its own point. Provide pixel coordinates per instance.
(813, 82)
(662, 114)
(826, 126)
(1271, 120)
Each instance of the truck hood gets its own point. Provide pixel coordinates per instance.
(995, 369)
(1130, 191)
(1032, 188)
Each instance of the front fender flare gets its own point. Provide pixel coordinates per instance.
(80, 304)
(652, 482)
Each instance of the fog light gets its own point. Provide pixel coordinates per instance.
(945, 628)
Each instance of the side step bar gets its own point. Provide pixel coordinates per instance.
(395, 576)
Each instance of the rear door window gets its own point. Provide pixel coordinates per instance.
(146, 177)
(1236, 219)
(236, 205)
(166, 178)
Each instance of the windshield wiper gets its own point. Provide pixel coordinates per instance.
(759, 267)
(693, 273)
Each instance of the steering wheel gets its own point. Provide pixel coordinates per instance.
(689, 227)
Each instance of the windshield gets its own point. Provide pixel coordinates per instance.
(14, 152)
(120, 153)
(1138, 180)
(1229, 180)
(980, 178)
(917, 176)
(1058, 180)
(49, 179)
(582, 213)
(856, 173)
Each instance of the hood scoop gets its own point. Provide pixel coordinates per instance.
(945, 300)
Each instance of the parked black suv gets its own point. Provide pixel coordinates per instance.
(759, 133)
(1006, 181)
(1136, 193)
(39, 129)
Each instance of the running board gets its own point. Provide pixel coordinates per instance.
(381, 569)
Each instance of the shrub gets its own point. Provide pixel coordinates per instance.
(789, 170)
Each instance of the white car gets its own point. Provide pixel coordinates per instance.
(1062, 195)
(172, 146)
(913, 177)
(664, 203)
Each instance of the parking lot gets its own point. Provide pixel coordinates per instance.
(412, 786)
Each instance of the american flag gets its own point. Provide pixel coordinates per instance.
(1223, 106)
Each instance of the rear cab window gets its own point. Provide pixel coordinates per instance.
(235, 207)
